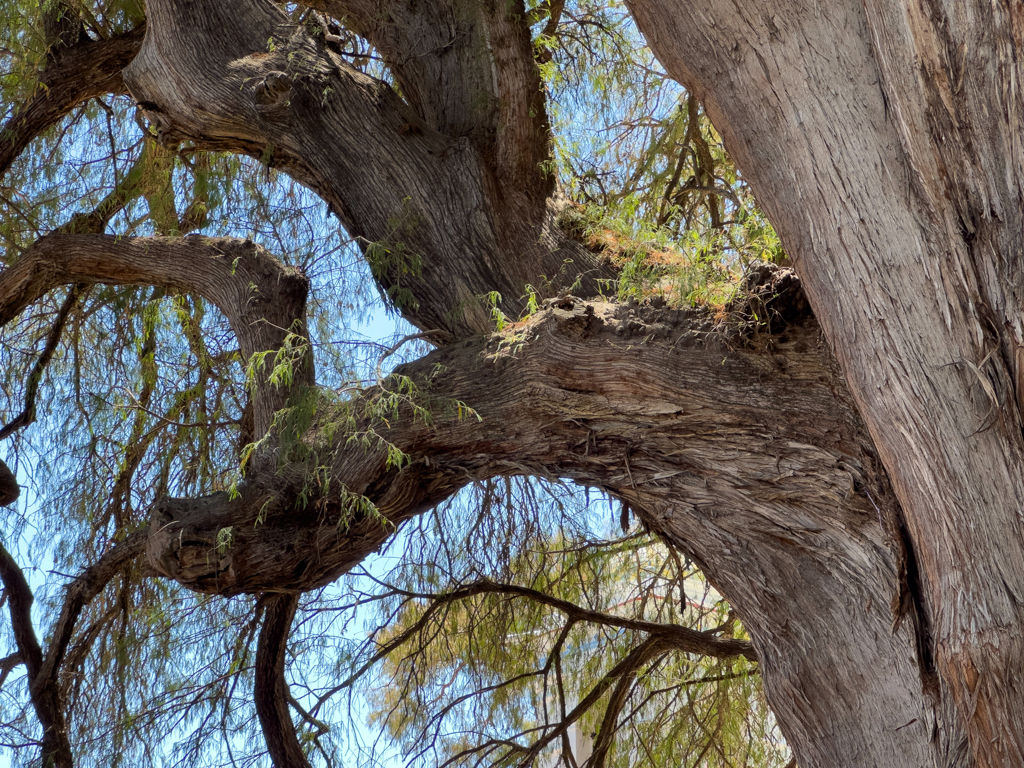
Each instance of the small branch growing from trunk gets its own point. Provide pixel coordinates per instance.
(83, 71)
(28, 413)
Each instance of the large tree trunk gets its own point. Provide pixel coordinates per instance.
(884, 141)
(884, 145)
(863, 206)
(784, 506)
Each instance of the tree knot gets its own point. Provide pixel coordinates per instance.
(273, 89)
(573, 316)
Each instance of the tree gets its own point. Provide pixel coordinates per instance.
(857, 500)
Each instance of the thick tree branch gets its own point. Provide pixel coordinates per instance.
(468, 71)
(82, 72)
(440, 230)
(263, 300)
(742, 451)
(722, 441)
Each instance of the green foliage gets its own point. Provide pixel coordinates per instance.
(393, 262)
(478, 664)
(654, 188)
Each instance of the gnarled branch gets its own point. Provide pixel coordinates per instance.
(263, 300)
(440, 230)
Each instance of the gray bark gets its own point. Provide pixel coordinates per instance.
(861, 512)
(445, 220)
(785, 508)
(883, 140)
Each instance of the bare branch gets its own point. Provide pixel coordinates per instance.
(674, 635)
(28, 413)
(271, 689)
(56, 748)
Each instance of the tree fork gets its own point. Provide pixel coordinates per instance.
(784, 509)
(440, 228)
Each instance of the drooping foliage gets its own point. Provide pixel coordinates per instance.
(489, 628)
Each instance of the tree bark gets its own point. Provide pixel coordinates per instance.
(446, 223)
(883, 140)
(784, 508)
(82, 72)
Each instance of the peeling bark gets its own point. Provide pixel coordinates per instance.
(883, 139)
(783, 508)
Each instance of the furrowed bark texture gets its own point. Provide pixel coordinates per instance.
(440, 214)
(782, 507)
(468, 70)
(884, 140)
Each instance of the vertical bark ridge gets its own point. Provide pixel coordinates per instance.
(468, 70)
(885, 176)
